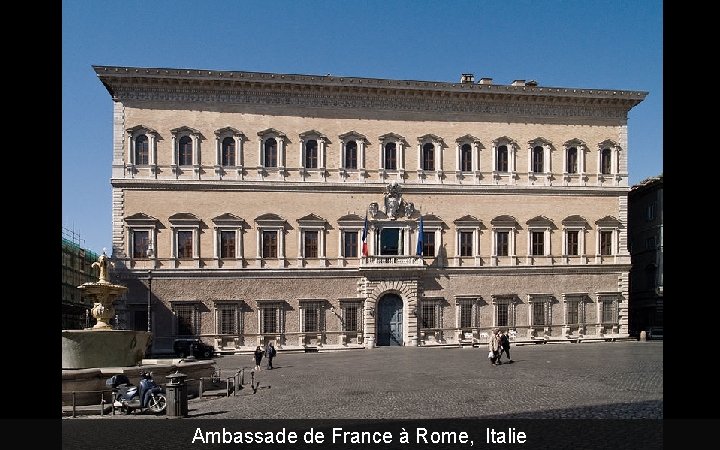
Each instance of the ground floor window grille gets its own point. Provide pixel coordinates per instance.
(271, 318)
(187, 320)
(430, 314)
(311, 317)
(228, 321)
(575, 310)
(351, 316)
(467, 313)
(609, 309)
(540, 314)
(504, 311)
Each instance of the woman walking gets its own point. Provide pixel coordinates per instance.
(258, 357)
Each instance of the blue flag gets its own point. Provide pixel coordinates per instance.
(420, 238)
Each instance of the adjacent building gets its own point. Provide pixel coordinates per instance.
(76, 270)
(645, 219)
(340, 212)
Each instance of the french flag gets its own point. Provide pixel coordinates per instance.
(364, 236)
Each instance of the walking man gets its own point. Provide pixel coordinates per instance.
(505, 346)
(270, 353)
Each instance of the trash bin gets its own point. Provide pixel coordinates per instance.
(176, 395)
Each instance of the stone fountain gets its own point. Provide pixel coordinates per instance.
(92, 355)
(101, 346)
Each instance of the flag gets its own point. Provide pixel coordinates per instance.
(420, 238)
(364, 236)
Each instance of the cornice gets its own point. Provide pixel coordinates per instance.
(193, 85)
(364, 188)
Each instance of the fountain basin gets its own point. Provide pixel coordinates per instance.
(84, 349)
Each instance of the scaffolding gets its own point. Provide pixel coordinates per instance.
(76, 270)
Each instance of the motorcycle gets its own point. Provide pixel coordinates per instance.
(128, 397)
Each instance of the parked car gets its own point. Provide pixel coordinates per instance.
(183, 347)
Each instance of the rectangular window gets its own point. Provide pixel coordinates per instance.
(650, 213)
(538, 158)
(311, 318)
(311, 155)
(466, 158)
(466, 314)
(466, 243)
(606, 242)
(390, 156)
(538, 313)
(351, 155)
(269, 244)
(227, 244)
(185, 244)
(573, 310)
(185, 151)
(502, 243)
(187, 320)
(428, 157)
(227, 315)
(572, 160)
(269, 320)
(351, 316)
(141, 243)
(428, 243)
(428, 317)
(503, 314)
(573, 241)
(502, 159)
(608, 311)
(311, 244)
(270, 153)
(650, 243)
(350, 244)
(537, 246)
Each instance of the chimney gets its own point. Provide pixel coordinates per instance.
(467, 78)
(518, 83)
(485, 80)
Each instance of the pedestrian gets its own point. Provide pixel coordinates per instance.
(505, 346)
(270, 353)
(258, 357)
(494, 348)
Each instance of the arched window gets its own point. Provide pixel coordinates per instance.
(270, 153)
(390, 156)
(606, 161)
(351, 155)
(311, 154)
(538, 159)
(141, 150)
(428, 155)
(572, 160)
(466, 158)
(228, 152)
(501, 162)
(185, 149)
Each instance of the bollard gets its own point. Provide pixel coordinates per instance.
(176, 395)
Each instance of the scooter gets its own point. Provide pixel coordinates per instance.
(129, 397)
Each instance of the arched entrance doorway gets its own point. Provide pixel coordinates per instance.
(389, 320)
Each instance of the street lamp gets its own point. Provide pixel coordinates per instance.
(149, 305)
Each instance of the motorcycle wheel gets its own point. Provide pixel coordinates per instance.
(157, 403)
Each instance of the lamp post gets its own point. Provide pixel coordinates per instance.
(149, 305)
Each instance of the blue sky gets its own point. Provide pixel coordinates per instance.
(613, 44)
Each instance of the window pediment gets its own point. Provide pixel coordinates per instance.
(575, 221)
(186, 130)
(140, 219)
(229, 131)
(468, 220)
(392, 137)
(228, 219)
(184, 218)
(541, 222)
(575, 142)
(270, 219)
(141, 129)
(312, 220)
(313, 134)
(433, 220)
(468, 138)
(541, 141)
(271, 132)
(608, 143)
(504, 140)
(350, 219)
(608, 221)
(431, 138)
(504, 221)
(353, 136)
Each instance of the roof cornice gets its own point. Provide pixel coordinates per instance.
(119, 80)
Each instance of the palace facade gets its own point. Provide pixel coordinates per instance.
(341, 212)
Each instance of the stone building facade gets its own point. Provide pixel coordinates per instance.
(250, 198)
